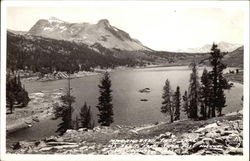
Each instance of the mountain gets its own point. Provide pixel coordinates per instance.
(17, 32)
(223, 46)
(102, 33)
(235, 58)
(231, 59)
(45, 55)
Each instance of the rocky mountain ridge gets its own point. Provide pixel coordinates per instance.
(102, 33)
(223, 46)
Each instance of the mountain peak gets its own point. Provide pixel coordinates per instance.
(222, 45)
(101, 32)
(103, 22)
(54, 19)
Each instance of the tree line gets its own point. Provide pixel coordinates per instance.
(205, 98)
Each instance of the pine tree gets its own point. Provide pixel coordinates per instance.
(205, 95)
(15, 93)
(185, 106)
(105, 105)
(75, 123)
(9, 93)
(219, 83)
(177, 103)
(86, 117)
(193, 96)
(167, 105)
(222, 85)
(64, 111)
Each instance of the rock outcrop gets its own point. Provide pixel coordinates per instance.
(218, 138)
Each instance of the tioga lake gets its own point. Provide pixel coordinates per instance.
(128, 107)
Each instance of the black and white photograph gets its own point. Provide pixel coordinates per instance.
(110, 80)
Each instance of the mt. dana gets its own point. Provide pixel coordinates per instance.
(102, 32)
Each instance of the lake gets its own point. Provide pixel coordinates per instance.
(128, 107)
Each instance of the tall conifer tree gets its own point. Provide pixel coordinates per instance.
(219, 83)
(64, 111)
(167, 104)
(185, 106)
(86, 116)
(193, 96)
(205, 94)
(177, 103)
(105, 105)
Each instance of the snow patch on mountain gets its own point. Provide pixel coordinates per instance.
(48, 28)
(55, 20)
(223, 46)
(102, 33)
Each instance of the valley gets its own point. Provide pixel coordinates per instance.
(54, 54)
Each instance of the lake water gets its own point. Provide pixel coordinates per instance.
(128, 107)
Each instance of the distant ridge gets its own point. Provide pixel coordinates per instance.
(223, 46)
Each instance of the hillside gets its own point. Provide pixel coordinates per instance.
(102, 33)
(41, 54)
(235, 58)
(231, 59)
(44, 55)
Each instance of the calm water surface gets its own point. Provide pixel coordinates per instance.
(128, 109)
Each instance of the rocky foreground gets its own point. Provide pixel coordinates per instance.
(217, 136)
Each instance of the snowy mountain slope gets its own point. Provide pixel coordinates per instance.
(102, 33)
(223, 46)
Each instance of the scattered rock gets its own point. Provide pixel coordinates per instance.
(46, 149)
(226, 133)
(212, 134)
(60, 143)
(218, 123)
(36, 119)
(51, 139)
(17, 146)
(167, 135)
(197, 146)
(64, 147)
(160, 145)
(83, 129)
(236, 151)
(220, 140)
(70, 131)
(167, 152)
(144, 100)
(142, 153)
(28, 121)
(208, 140)
(217, 150)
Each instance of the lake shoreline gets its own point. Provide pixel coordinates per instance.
(59, 76)
(80, 74)
(39, 108)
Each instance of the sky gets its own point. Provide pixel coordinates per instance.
(160, 28)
